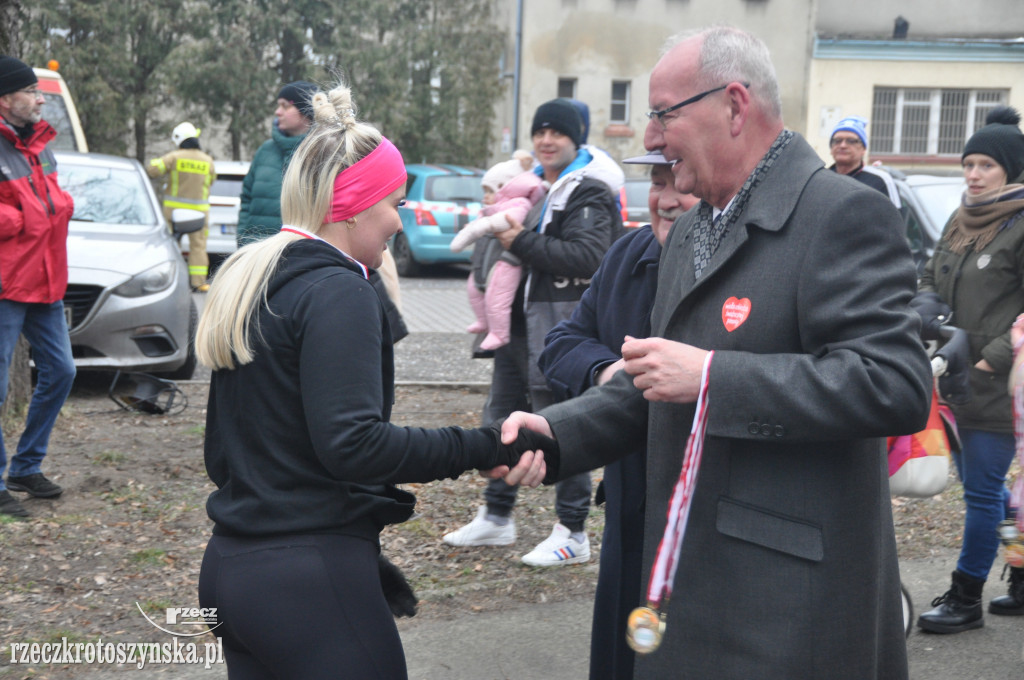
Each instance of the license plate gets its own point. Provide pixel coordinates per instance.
(227, 228)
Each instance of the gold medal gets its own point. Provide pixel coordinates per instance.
(644, 630)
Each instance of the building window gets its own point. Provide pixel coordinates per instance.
(925, 121)
(567, 88)
(620, 102)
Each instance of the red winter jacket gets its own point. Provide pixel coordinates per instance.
(34, 215)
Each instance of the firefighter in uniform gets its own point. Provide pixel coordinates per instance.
(188, 174)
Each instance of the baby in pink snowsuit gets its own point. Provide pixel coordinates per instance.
(510, 189)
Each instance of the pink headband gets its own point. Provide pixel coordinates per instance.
(366, 182)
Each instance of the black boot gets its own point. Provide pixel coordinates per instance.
(1011, 604)
(959, 609)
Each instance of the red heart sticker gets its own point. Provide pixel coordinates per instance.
(734, 312)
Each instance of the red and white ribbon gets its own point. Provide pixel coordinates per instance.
(663, 573)
(441, 207)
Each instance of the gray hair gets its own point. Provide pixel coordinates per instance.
(728, 54)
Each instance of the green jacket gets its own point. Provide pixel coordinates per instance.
(986, 292)
(259, 214)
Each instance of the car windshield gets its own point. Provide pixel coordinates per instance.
(939, 201)
(226, 186)
(453, 188)
(55, 112)
(108, 195)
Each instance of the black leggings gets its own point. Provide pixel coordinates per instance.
(307, 606)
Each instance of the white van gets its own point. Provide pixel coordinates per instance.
(60, 112)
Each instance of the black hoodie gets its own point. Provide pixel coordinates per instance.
(298, 440)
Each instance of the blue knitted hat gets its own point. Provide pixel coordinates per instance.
(854, 124)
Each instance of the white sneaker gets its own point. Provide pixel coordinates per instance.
(559, 548)
(482, 531)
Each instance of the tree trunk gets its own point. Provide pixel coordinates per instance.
(19, 385)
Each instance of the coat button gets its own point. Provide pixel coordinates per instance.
(766, 430)
(780, 431)
(753, 428)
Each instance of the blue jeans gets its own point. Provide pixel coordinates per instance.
(982, 467)
(510, 392)
(46, 330)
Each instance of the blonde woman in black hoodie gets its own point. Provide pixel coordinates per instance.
(977, 272)
(297, 437)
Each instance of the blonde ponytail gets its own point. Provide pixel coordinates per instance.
(229, 325)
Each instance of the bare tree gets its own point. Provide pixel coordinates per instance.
(19, 386)
(10, 23)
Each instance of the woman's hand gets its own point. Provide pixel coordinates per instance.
(984, 366)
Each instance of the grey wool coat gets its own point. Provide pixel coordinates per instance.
(789, 566)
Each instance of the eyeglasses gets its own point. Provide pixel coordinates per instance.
(34, 92)
(848, 141)
(660, 115)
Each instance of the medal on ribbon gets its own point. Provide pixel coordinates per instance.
(645, 627)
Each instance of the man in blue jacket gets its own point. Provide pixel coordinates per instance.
(584, 351)
(560, 245)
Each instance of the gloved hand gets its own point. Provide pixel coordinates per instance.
(528, 440)
(397, 590)
(933, 312)
(955, 383)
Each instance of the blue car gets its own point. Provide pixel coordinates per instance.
(440, 200)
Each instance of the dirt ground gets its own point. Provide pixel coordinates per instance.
(130, 529)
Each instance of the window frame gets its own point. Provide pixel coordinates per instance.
(619, 102)
(888, 134)
(572, 83)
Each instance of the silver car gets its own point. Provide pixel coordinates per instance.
(129, 303)
(928, 202)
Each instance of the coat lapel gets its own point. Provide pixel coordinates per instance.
(769, 209)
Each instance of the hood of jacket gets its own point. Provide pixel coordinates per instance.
(600, 167)
(304, 256)
(41, 135)
(286, 143)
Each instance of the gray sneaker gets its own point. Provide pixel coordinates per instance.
(482, 531)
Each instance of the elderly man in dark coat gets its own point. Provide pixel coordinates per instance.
(799, 281)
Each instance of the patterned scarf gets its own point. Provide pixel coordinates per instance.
(981, 217)
(708, 233)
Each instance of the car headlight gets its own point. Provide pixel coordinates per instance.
(153, 280)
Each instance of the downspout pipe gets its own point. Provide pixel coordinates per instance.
(516, 78)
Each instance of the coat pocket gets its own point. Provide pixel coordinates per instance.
(775, 532)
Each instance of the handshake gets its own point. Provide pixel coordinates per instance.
(527, 440)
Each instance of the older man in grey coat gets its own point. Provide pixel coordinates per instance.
(799, 281)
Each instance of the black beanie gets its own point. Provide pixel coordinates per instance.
(1001, 140)
(301, 94)
(561, 116)
(15, 75)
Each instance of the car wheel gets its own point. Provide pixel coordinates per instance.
(187, 369)
(404, 261)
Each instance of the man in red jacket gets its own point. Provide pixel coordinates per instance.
(34, 215)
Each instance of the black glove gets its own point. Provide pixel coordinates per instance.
(397, 590)
(955, 383)
(933, 312)
(528, 440)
